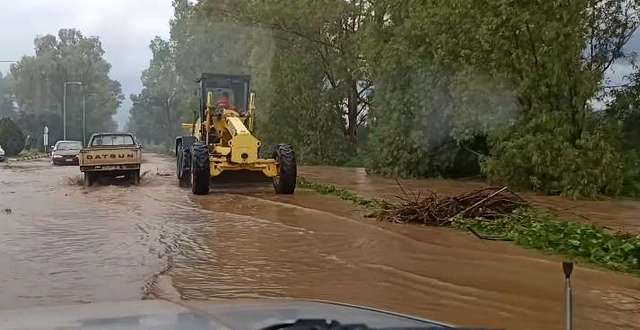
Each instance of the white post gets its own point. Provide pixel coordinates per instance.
(45, 137)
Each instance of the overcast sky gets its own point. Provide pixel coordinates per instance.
(125, 28)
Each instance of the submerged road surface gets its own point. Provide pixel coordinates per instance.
(61, 243)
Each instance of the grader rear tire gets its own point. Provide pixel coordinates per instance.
(183, 166)
(285, 182)
(200, 169)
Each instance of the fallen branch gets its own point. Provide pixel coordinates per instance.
(435, 210)
(485, 237)
(479, 203)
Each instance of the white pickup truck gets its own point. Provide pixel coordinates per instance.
(111, 155)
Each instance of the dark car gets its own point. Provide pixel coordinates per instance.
(66, 153)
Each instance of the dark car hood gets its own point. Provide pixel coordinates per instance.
(228, 314)
(66, 152)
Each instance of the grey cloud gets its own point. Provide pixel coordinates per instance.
(125, 28)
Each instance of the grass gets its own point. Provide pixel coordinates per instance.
(533, 229)
(344, 194)
(32, 152)
(543, 231)
(29, 155)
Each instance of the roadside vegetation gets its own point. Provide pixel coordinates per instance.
(344, 194)
(527, 227)
(543, 231)
(11, 137)
(515, 92)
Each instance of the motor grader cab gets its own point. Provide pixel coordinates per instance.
(221, 140)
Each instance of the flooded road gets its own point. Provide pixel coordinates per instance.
(63, 244)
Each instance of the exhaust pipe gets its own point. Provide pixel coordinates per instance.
(567, 267)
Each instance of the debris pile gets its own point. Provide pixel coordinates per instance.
(435, 210)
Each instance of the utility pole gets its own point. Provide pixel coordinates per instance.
(64, 106)
(84, 118)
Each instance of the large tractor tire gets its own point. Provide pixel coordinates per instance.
(285, 182)
(183, 166)
(200, 169)
(178, 160)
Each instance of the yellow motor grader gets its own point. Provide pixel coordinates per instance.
(221, 139)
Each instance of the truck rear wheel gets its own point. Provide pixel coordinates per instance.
(88, 179)
(200, 169)
(134, 176)
(285, 181)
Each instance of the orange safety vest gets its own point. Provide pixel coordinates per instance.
(223, 102)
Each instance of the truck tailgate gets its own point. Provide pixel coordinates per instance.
(110, 156)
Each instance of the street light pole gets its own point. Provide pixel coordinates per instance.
(84, 118)
(64, 112)
(64, 106)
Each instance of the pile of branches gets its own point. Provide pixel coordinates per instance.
(435, 210)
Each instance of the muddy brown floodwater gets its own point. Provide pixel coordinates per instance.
(62, 243)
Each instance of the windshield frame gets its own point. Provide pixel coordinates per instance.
(238, 86)
(92, 142)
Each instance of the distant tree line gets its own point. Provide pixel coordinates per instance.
(32, 93)
(502, 89)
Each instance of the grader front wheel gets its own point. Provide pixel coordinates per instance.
(200, 169)
(285, 182)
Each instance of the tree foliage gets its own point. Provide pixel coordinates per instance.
(520, 73)
(428, 88)
(154, 116)
(7, 108)
(325, 33)
(623, 115)
(11, 137)
(197, 45)
(312, 90)
(38, 86)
